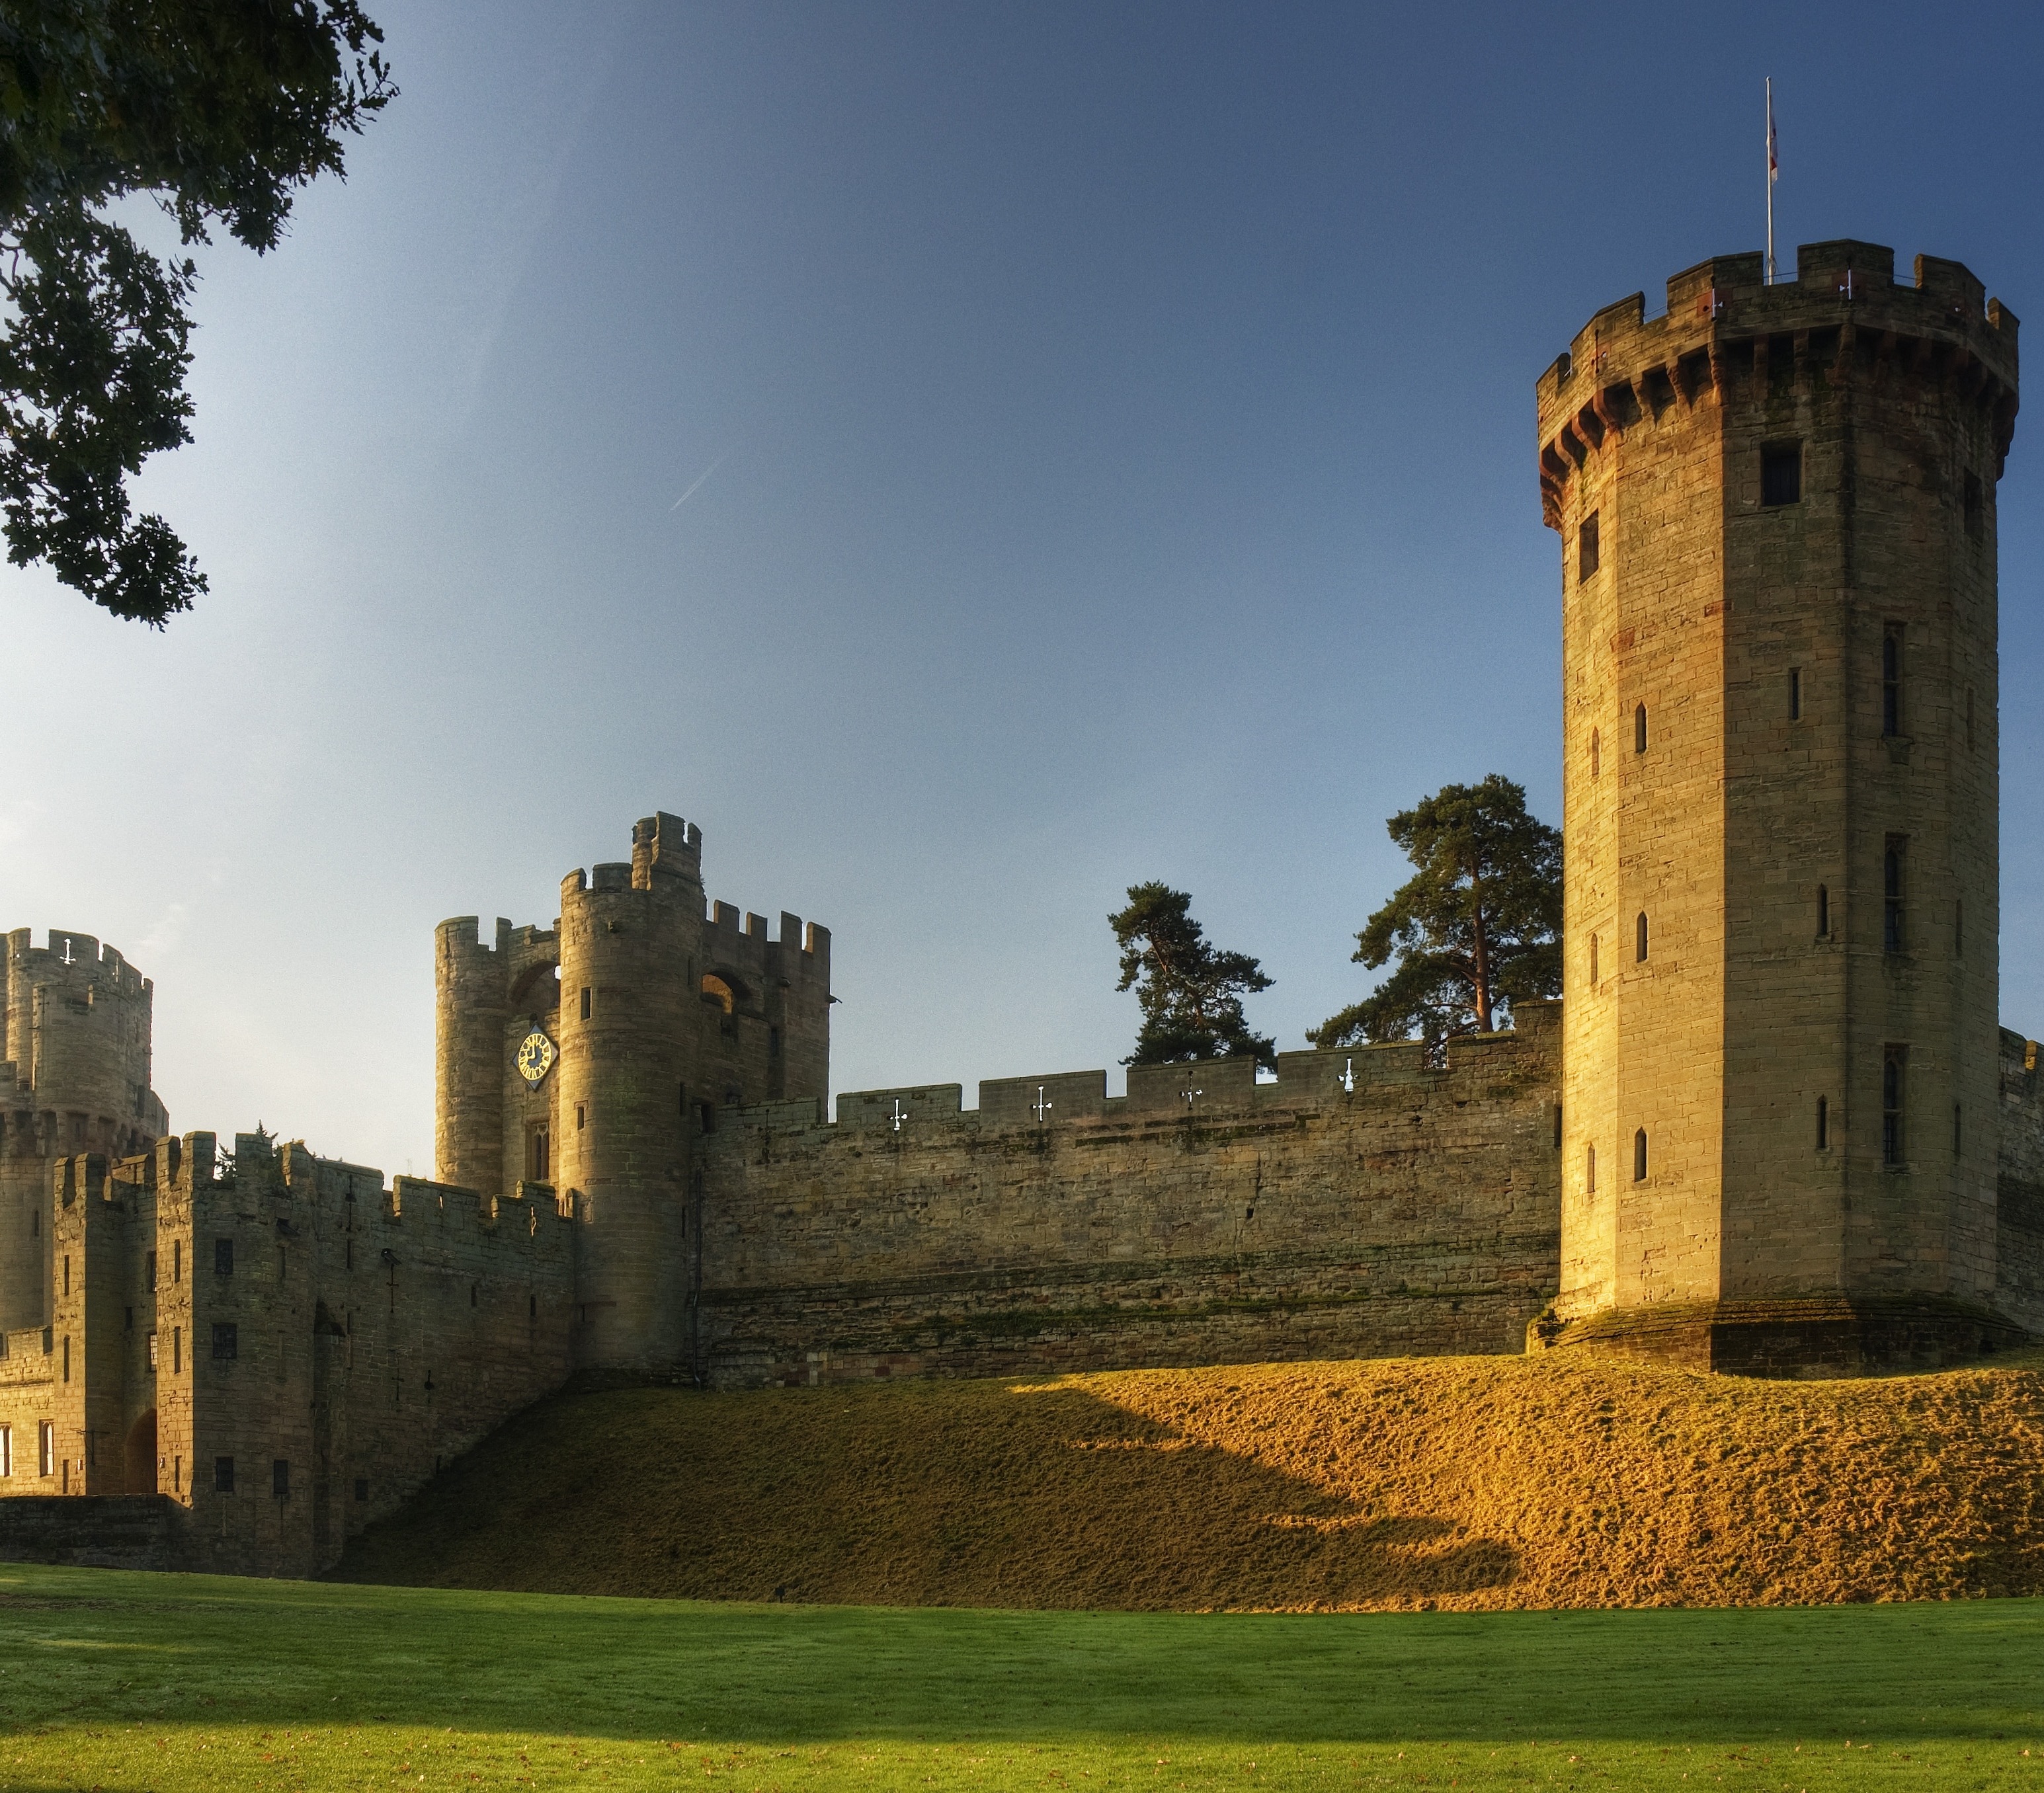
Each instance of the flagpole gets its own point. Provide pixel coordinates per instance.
(1770, 180)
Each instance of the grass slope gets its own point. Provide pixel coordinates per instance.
(1463, 1483)
(189, 1684)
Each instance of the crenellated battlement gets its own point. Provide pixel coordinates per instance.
(1726, 332)
(1211, 1088)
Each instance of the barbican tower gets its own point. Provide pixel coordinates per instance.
(582, 1062)
(1777, 508)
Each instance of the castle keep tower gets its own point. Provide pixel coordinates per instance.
(585, 1059)
(1776, 506)
(74, 1028)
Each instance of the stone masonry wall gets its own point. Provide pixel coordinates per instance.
(1363, 1205)
(2020, 1230)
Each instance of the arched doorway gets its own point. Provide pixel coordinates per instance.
(139, 1459)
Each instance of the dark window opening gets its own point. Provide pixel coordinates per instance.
(1596, 753)
(471, 1295)
(1970, 719)
(1557, 1126)
(532, 1307)
(1891, 679)
(1794, 694)
(1823, 913)
(1639, 937)
(582, 1117)
(223, 1475)
(226, 1339)
(1594, 958)
(1589, 1170)
(773, 1043)
(1781, 474)
(1958, 1131)
(280, 1478)
(177, 1261)
(1586, 548)
(1639, 729)
(223, 1257)
(538, 1153)
(1823, 1124)
(1639, 1156)
(585, 1004)
(706, 1116)
(177, 1350)
(1892, 869)
(361, 1489)
(1894, 1062)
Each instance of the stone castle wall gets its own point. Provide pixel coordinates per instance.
(1362, 1205)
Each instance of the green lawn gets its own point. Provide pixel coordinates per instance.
(127, 1682)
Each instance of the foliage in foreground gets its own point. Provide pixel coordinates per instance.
(207, 1685)
(1476, 926)
(220, 110)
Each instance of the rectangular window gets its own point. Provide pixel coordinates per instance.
(1594, 958)
(152, 1351)
(1959, 928)
(67, 1355)
(1958, 1131)
(1894, 869)
(177, 1261)
(1589, 1170)
(128, 1322)
(177, 1350)
(582, 1117)
(223, 1475)
(1794, 694)
(773, 1043)
(1891, 679)
(584, 1003)
(6, 1451)
(280, 1478)
(46, 1448)
(226, 1339)
(1894, 1069)
(1586, 548)
(1970, 719)
(152, 1271)
(223, 1257)
(361, 1489)
(1781, 474)
(1823, 1124)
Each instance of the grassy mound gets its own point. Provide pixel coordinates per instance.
(1466, 1483)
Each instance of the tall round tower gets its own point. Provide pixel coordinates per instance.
(471, 1001)
(630, 1003)
(1776, 506)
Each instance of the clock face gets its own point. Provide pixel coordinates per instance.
(535, 1056)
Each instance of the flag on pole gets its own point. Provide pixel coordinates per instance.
(1773, 164)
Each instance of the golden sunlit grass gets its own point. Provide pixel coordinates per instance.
(1564, 1481)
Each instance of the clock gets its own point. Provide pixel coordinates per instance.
(535, 1056)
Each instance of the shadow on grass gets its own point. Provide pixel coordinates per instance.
(915, 1496)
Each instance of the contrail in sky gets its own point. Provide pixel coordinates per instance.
(695, 488)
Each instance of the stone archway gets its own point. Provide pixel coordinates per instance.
(139, 1459)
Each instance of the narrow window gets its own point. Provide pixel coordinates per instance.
(1959, 928)
(66, 1354)
(361, 1489)
(1594, 958)
(177, 1473)
(1823, 1124)
(152, 1351)
(152, 1271)
(582, 1117)
(223, 1475)
(148, 1272)
(1589, 1170)
(223, 1257)
(1970, 719)
(6, 1451)
(280, 1478)
(1596, 753)
(1891, 679)
(1781, 474)
(280, 1263)
(773, 1043)
(177, 1350)
(1639, 1156)
(1639, 729)
(1639, 937)
(46, 1448)
(1892, 868)
(1794, 694)
(584, 1003)
(1894, 1063)
(226, 1339)
(471, 1295)
(1823, 913)
(532, 1307)
(1958, 1131)
(1557, 1126)
(177, 1261)
(1586, 549)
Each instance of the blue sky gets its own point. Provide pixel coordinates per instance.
(1121, 421)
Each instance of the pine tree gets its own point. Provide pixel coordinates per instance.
(1191, 993)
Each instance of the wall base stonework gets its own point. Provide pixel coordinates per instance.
(1811, 1337)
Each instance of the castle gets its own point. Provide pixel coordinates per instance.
(1772, 1127)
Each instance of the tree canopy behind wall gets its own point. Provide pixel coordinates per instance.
(221, 110)
(1190, 991)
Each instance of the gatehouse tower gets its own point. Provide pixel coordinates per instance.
(1776, 508)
